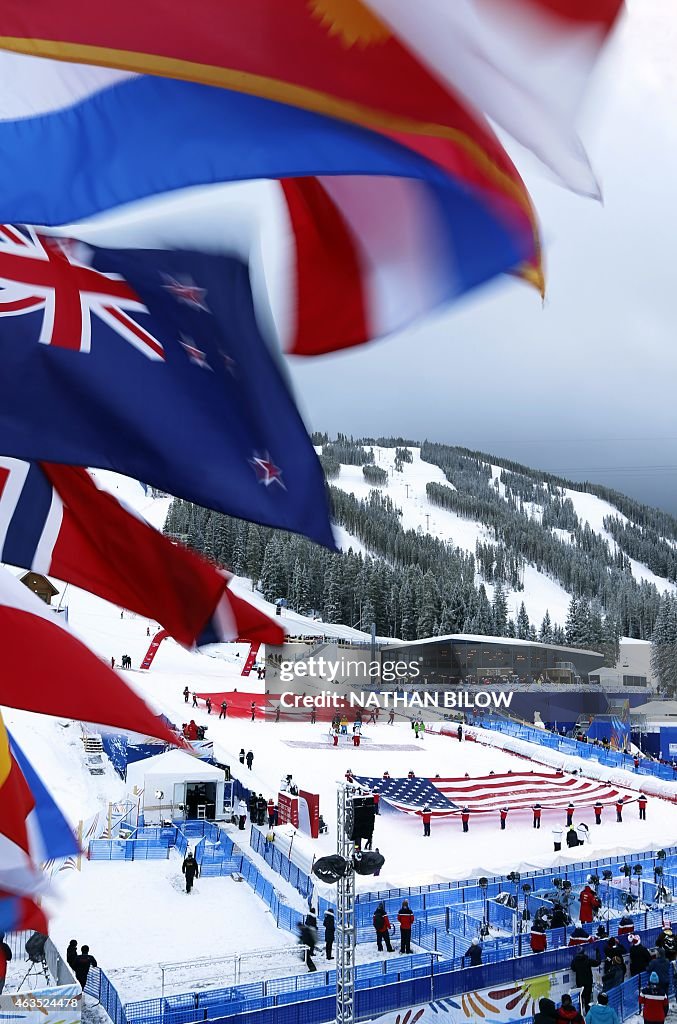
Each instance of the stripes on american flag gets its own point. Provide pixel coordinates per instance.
(515, 790)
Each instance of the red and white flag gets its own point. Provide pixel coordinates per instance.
(47, 670)
(523, 63)
(55, 520)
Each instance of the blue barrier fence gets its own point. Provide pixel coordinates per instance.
(380, 987)
(568, 745)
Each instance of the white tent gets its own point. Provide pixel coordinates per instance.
(175, 785)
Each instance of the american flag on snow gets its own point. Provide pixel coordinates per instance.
(515, 790)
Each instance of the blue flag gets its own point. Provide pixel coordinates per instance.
(151, 363)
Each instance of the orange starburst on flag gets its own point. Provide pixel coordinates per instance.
(351, 21)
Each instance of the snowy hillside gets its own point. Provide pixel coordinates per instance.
(526, 495)
(407, 489)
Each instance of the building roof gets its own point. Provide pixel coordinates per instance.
(176, 764)
(49, 586)
(505, 641)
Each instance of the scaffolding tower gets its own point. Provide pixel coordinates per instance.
(345, 908)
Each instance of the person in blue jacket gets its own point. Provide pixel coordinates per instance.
(601, 1012)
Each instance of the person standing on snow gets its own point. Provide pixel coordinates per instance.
(426, 815)
(190, 870)
(186, 694)
(619, 809)
(589, 903)
(641, 803)
(83, 963)
(652, 1003)
(601, 1012)
(382, 926)
(329, 932)
(250, 760)
(598, 808)
(465, 818)
(242, 815)
(208, 705)
(537, 815)
(406, 920)
(503, 817)
(568, 1012)
(474, 953)
(224, 710)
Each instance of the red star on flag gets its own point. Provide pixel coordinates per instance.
(185, 290)
(195, 354)
(266, 471)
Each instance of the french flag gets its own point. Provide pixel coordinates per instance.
(55, 520)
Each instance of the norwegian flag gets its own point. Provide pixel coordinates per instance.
(55, 520)
(38, 272)
(515, 790)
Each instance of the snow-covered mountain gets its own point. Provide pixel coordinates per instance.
(542, 591)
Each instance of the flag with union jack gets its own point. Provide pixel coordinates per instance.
(151, 363)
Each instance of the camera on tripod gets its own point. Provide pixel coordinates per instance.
(36, 957)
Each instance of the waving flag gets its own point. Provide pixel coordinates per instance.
(32, 828)
(55, 520)
(515, 790)
(47, 670)
(457, 215)
(152, 364)
(524, 63)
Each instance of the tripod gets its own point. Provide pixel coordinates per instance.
(37, 969)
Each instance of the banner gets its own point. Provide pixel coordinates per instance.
(287, 809)
(313, 802)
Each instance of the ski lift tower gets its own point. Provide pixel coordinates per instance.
(346, 936)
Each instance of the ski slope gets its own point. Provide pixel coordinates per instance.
(407, 489)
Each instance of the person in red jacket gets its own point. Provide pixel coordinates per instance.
(465, 818)
(589, 903)
(537, 815)
(504, 817)
(386, 776)
(406, 919)
(191, 730)
(641, 802)
(381, 923)
(426, 815)
(271, 813)
(579, 937)
(570, 814)
(652, 1002)
(377, 800)
(619, 809)
(539, 940)
(598, 808)
(568, 1012)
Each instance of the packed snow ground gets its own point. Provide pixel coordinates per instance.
(135, 915)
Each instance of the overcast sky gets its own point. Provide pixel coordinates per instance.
(585, 385)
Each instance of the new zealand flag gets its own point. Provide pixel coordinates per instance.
(151, 363)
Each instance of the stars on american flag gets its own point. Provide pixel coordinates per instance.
(267, 472)
(409, 794)
(185, 290)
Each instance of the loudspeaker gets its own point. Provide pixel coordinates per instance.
(364, 814)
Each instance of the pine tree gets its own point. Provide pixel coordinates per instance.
(545, 634)
(254, 553)
(522, 625)
(664, 646)
(500, 610)
(429, 606)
